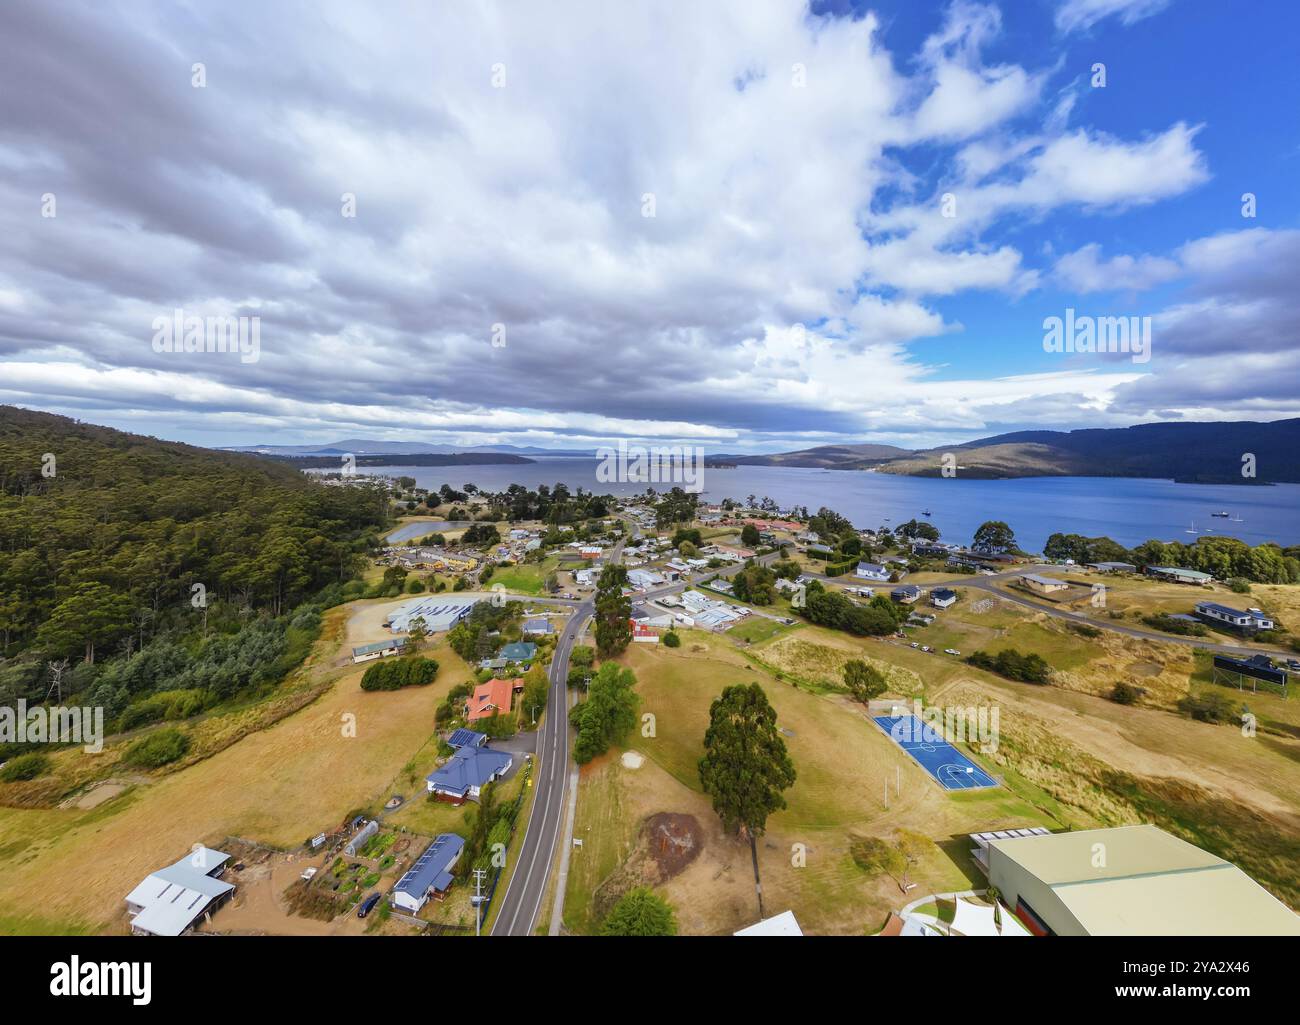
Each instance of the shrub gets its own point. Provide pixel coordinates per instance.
(402, 672)
(1125, 694)
(1182, 627)
(24, 767)
(1210, 707)
(640, 912)
(1013, 665)
(157, 749)
(1239, 584)
(671, 640)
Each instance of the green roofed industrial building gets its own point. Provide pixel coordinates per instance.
(1128, 881)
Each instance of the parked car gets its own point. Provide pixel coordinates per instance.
(926, 647)
(951, 651)
(916, 644)
(368, 905)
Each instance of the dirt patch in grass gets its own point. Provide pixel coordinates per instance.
(674, 841)
(667, 843)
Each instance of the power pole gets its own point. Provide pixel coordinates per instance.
(478, 902)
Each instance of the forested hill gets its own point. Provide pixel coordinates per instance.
(1207, 453)
(103, 534)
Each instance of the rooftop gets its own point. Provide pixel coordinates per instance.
(469, 767)
(431, 868)
(1149, 883)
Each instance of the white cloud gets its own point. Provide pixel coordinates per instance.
(1085, 271)
(1073, 15)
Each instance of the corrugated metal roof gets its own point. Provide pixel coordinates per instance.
(430, 869)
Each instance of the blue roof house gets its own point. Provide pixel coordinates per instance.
(467, 772)
(519, 651)
(430, 875)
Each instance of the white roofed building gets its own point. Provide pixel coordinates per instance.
(170, 900)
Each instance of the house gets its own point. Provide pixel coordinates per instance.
(643, 579)
(733, 552)
(519, 651)
(872, 571)
(430, 876)
(783, 924)
(943, 597)
(643, 633)
(1221, 615)
(491, 698)
(678, 566)
(1041, 585)
(1178, 575)
(466, 738)
(585, 578)
(540, 625)
(720, 584)
(1113, 567)
(933, 549)
(518, 534)
(169, 901)
(906, 594)
(786, 585)
(826, 551)
(380, 649)
(1147, 883)
(590, 551)
(464, 775)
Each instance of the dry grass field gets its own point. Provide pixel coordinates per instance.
(843, 763)
(69, 869)
(1068, 757)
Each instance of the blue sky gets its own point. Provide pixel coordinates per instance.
(572, 227)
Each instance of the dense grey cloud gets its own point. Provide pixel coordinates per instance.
(502, 161)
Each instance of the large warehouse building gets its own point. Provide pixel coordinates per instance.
(1128, 881)
(439, 613)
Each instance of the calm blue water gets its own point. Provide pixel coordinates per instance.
(1129, 510)
(420, 529)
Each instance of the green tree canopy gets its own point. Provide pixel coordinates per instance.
(640, 912)
(745, 768)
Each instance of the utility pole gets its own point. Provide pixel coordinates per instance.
(478, 902)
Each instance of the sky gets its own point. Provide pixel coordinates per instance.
(749, 226)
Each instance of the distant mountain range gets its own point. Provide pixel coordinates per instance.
(371, 447)
(1203, 453)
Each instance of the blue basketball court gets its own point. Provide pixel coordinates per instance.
(951, 769)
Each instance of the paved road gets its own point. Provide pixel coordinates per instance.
(522, 899)
(523, 896)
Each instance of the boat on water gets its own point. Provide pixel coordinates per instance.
(1192, 529)
(925, 512)
(1221, 515)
